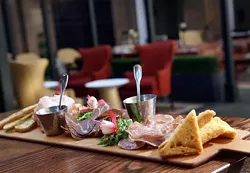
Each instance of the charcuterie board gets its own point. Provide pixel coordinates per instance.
(210, 149)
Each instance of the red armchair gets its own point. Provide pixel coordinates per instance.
(156, 61)
(96, 65)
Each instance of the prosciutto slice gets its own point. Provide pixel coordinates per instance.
(161, 122)
(91, 126)
(47, 101)
(177, 121)
(158, 129)
(140, 132)
(88, 127)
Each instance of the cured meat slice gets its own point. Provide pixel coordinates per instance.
(47, 101)
(128, 144)
(177, 121)
(161, 122)
(158, 129)
(88, 127)
(119, 114)
(81, 128)
(140, 132)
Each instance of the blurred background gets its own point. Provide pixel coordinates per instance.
(194, 53)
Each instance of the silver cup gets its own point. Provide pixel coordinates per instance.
(51, 119)
(140, 111)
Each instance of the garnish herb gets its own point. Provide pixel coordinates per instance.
(84, 115)
(113, 139)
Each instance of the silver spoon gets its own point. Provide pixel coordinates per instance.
(138, 75)
(64, 82)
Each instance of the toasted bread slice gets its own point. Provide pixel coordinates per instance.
(211, 130)
(27, 125)
(229, 131)
(16, 122)
(205, 117)
(216, 128)
(17, 115)
(186, 139)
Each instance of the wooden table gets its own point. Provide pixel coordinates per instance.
(20, 156)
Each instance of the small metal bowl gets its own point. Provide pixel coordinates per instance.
(140, 111)
(51, 119)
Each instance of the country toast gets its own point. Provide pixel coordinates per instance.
(216, 128)
(229, 131)
(185, 141)
(210, 131)
(205, 117)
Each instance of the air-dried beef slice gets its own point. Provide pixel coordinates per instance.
(128, 144)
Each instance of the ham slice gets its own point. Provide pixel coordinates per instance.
(177, 121)
(140, 132)
(161, 122)
(47, 101)
(91, 126)
(158, 129)
(88, 127)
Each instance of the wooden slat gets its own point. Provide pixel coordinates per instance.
(91, 144)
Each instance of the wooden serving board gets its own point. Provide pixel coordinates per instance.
(210, 149)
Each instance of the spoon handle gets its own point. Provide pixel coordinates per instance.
(64, 83)
(138, 75)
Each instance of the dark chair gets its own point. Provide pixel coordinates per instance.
(96, 66)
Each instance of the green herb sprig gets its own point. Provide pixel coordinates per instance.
(84, 116)
(113, 139)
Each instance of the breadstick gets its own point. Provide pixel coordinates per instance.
(16, 122)
(17, 115)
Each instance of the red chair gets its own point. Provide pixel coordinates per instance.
(96, 65)
(156, 61)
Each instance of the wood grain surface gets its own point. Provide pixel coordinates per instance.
(211, 149)
(53, 159)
